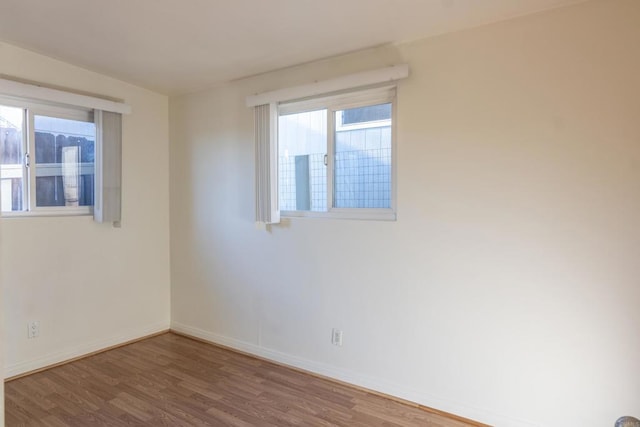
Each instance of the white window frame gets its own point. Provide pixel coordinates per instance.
(32, 109)
(346, 100)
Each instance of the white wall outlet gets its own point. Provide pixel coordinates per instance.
(33, 329)
(336, 337)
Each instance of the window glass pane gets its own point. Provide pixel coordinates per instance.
(366, 114)
(362, 172)
(302, 147)
(64, 161)
(12, 170)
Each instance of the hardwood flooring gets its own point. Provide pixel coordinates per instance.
(170, 380)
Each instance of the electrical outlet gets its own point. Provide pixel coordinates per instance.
(336, 337)
(33, 329)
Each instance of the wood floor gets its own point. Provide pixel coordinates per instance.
(170, 380)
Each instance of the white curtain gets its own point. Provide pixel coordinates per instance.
(266, 123)
(108, 167)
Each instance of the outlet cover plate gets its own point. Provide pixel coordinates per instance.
(336, 337)
(33, 329)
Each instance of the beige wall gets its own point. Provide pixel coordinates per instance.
(507, 291)
(90, 285)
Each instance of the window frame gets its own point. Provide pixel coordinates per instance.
(30, 110)
(337, 102)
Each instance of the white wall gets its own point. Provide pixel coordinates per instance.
(1, 338)
(507, 291)
(90, 285)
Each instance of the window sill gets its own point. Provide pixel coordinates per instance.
(359, 214)
(48, 213)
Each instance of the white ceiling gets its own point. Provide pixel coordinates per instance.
(174, 46)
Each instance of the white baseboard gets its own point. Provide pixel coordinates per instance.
(375, 384)
(80, 350)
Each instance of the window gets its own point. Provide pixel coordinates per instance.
(60, 152)
(47, 157)
(336, 156)
(327, 148)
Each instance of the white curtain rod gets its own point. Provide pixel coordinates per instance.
(40, 93)
(350, 81)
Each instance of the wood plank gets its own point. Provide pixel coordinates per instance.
(172, 380)
(35, 371)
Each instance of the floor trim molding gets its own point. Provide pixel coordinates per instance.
(34, 366)
(318, 370)
(343, 383)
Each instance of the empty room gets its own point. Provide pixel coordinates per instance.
(338, 213)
